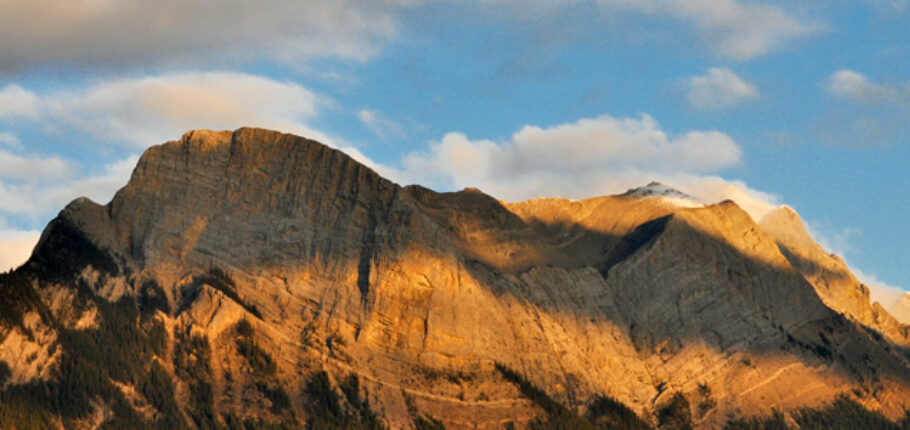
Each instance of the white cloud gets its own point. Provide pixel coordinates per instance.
(10, 140)
(14, 100)
(150, 110)
(32, 168)
(46, 196)
(713, 188)
(719, 88)
(379, 124)
(856, 87)
(589, 157)
(736, 29)
(15, 247)
(102, 33)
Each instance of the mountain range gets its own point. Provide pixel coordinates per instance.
(254, 279)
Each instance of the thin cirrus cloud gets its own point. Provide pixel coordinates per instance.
(140, 112)
(382, 126)
(719, 88)
(734, 29)
(872, 113)
(94, 33)
(586, 158)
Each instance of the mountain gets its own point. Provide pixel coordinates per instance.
(829, 275)
(250, 279)
(901, 309)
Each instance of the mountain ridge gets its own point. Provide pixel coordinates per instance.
(338, 270)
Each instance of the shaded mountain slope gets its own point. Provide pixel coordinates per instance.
(830, 276)
(264, 277)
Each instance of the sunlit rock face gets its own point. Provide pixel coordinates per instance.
(287, 258)
(829, 275)
(901, 309)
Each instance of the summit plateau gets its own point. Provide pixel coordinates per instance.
(254, 279)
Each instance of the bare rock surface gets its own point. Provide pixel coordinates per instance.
(830, 276)
(420, 294)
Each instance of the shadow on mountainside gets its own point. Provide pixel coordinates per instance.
(783, 315)
(663, 284)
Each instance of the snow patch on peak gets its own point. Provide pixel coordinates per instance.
(666, 194)
(657, 189)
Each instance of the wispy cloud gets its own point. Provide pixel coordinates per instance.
(856, 87)
(719, 88)
(868, 113)
(10, 140)
(890, 6)
(735, 29)
(382, 126)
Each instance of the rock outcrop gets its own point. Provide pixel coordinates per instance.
(901, 309)
(266, 258)
(830, 276)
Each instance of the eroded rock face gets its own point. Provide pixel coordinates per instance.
(829, 275)
(324, 265)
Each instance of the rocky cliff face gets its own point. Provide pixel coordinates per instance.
(259, 276)
(830, 276)
(901, 309)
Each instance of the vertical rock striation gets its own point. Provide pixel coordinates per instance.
(267, 258)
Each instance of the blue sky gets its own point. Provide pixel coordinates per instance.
(799, 103)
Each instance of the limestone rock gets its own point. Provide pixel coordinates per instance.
(323, 265)
(829, 275)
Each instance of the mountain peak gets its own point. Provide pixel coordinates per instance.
(657, 189)
(189, 192)
(666, 193)
(786, 226)
(278, 263)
